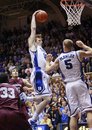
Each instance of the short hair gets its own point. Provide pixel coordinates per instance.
(68, 43)
(38, 36)
(15, 68)
(4, 78)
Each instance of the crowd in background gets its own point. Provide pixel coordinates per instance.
(14, 45)
(14, 53)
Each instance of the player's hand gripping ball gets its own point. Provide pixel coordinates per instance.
(42, 16)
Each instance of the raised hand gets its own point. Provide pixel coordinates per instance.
(80, 44)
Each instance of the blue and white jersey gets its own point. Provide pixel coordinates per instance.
(39, 79)
(40, 82)
(70, 66)
(38, 57)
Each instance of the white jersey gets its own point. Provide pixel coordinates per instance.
(70, 66)
(38, 57)
(39, 79)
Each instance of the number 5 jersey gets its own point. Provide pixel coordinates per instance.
(70, 66)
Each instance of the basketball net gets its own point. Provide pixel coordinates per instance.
(73, 9)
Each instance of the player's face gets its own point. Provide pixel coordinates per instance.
(45, 117)
(14, 73)
(39, 40)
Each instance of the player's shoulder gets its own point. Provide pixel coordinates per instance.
(58, 57)
(31, 50)
(7, 85)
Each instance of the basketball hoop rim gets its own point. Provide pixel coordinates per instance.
(74, 4)
(73, 9)
(72, 1)
(77, 5)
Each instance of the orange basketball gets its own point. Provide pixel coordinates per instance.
(41, 16)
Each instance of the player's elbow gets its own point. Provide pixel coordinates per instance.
(88, 53)
(47, 70)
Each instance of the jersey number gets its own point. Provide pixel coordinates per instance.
(7, 92)
(68, 64)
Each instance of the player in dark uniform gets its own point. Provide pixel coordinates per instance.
(11, 116)
(18, 82)
(20, 85)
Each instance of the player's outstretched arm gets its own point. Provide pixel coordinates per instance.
(82, 45)
(86, 52)
(31, 39)
(52, 67)
(26, 83)
(27, 89)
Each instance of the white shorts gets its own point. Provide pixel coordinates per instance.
(40, 82)
(78, 97)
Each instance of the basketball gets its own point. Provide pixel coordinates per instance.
(41, 16)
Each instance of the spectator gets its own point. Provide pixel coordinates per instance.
(47, 120)
(64, 112)
(54, 115)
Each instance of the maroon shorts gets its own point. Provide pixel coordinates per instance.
(13, 120)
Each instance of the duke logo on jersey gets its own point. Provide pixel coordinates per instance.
(40, 82)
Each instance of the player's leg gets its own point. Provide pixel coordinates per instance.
(89, 119)
(73, 123)
(41, 100)
(85, 102)
(73, 104)
(40, 106)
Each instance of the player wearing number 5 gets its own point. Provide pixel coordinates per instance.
(11, 118)
(77, 94)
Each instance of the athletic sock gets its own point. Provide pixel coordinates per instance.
(35, 116)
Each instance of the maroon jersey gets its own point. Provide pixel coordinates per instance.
(11, 116)
(18, 83)
(9, 96)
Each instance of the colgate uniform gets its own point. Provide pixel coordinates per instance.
(11, 118)
(18, 83)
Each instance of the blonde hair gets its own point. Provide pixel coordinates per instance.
(68, 43)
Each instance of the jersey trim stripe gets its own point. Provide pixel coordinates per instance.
(81, 70)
